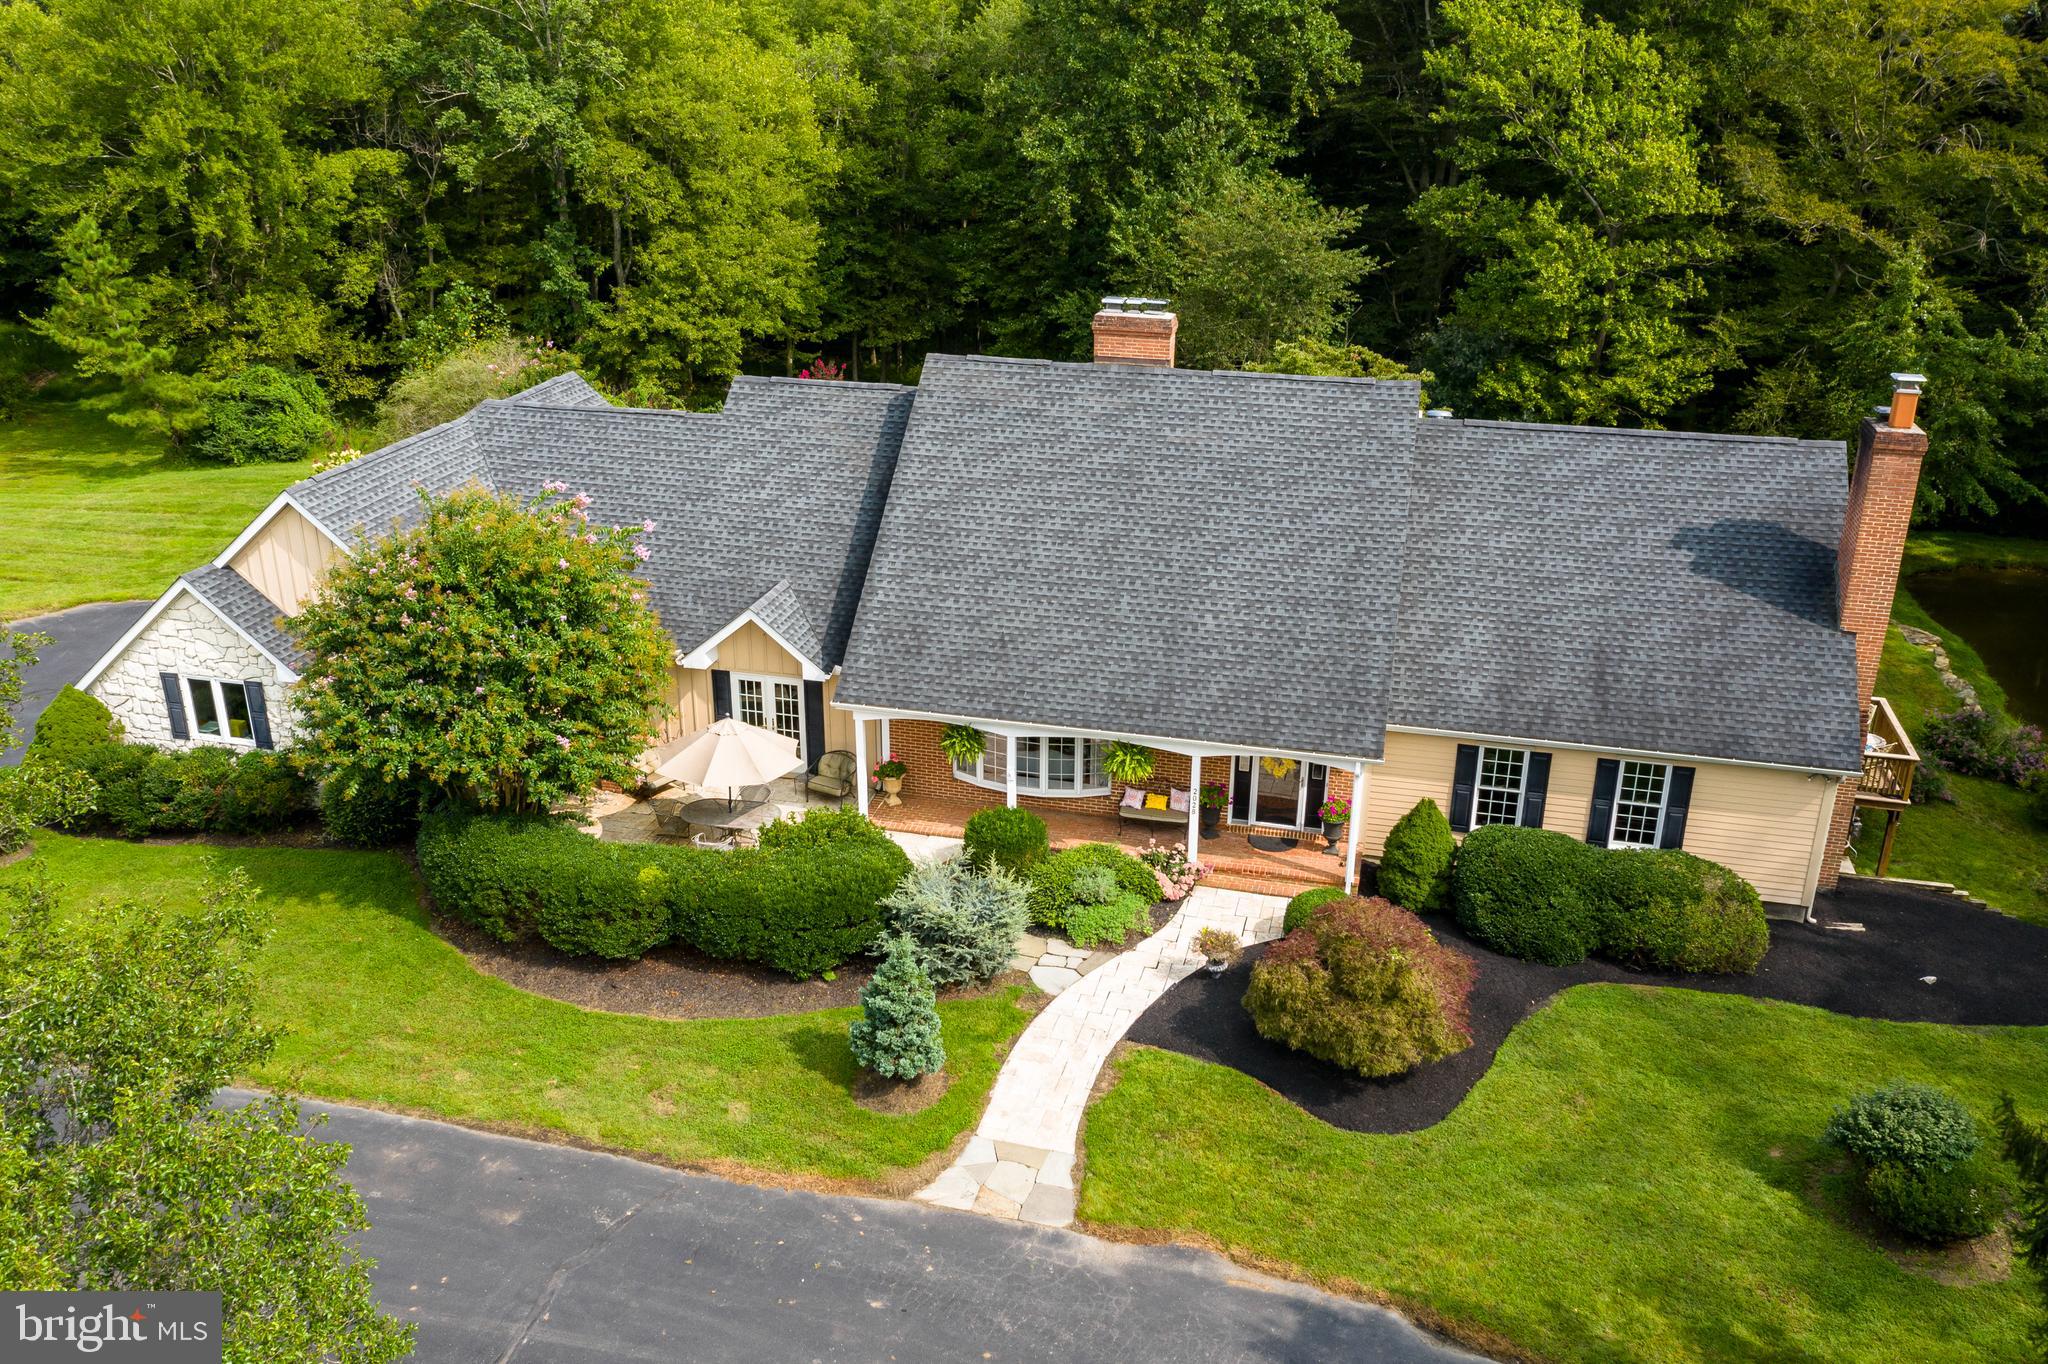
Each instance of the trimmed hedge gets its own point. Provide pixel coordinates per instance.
(1415, 865)
(1364, 985)
(71, 726)
(1528, 893)
(1300, 907)
(212, 790)
(803, 902)
(1547, 897)
(1053, 894)
(1939, 1206)
(1005, 839)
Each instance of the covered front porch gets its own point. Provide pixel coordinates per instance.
(1268, 835)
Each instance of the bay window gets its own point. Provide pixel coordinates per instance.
(1047, 765)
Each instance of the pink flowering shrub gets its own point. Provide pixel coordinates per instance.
(499, 651)
(1176, 874)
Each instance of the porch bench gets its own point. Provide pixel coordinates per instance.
(1138, 814)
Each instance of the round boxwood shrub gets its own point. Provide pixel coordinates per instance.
(1299, 908)
(369, 814)
(1053, 893)
(1676, 912)
(1366, 986)
(1528, 893)
(1415, 865)
(1012, 840)
(1941, 1205)
(72, 725)
(263, 414)
(1912, 1125)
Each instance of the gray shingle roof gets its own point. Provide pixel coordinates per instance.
(564, 390)
(229, 593)
(1651, 590)
(369, 494)
(1212, 556)
(783, 615)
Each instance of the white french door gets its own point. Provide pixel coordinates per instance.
(1278, 796)
(774, 703)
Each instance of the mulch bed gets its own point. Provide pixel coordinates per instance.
(898, 1097)
(1988, 969)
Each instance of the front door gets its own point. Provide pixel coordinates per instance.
(1283, 793)
(775, 703)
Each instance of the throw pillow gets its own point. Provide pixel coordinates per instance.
(1178, 800)
(1155, 801)
(1134, 799)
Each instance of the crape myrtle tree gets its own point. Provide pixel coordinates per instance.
(498, 652)
(116, 1173)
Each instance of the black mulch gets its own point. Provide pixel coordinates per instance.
(1987, 969)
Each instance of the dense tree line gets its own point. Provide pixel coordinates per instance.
(1722, 214)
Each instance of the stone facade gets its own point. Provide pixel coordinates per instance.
(189, 639)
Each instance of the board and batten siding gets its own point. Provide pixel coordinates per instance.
(286, 560)
(748, 649)
(1759, 822)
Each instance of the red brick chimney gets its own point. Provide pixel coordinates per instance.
(1135, 331)
(1889, 448)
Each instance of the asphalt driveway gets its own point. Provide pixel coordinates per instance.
(507, 1250)
(77, 639)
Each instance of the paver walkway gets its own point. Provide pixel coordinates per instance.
(1020, 1161)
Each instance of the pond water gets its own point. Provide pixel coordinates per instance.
(2003, 613)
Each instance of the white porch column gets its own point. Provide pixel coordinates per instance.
(861, 776)
(1010, 771)
(1351, 829)
(1194, 803)
(888, 746)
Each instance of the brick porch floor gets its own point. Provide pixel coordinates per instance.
(1239, 865)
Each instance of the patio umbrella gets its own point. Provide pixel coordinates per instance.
(731, 753)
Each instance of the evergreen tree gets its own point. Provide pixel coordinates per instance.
(2026, 1146)
(897, 1034)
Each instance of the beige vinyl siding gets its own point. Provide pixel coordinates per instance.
(839, 723)
(749, 649)
(1757, 821)
(689, 703)
(286, 560)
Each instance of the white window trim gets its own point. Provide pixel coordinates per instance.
(220, 710)
(769, 681)
(1479, 786)
(1663, 806)
(974, 777)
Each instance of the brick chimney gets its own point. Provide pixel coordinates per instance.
(1889, 449)
(1135, 331)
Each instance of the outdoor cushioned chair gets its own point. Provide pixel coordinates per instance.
(835, 775)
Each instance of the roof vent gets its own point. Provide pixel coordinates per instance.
(1438, 412)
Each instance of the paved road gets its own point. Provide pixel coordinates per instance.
(508, 1250)
(78, 638)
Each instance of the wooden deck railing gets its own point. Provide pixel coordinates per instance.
(1887, 772)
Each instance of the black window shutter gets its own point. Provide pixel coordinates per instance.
(1677, 802)
(721, 694)
(1535, 789)
(1606, 775)
(1318, 783)
(814, 722)
(1241, 791)
(1463, 780)
(259, 714)
(174, 702)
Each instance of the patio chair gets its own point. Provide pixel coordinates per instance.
(668, 816)
(756, 795)
(720, 840)
(834, 776)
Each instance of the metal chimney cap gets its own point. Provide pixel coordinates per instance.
(1438, 412)
(1907, 383)
(1121, 303)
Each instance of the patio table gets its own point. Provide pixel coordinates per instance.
(712, 812)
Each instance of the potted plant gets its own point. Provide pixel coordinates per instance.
(1335, 813)
(1126, 764)
(962, 745)
(889, 779)
(1214, 798)
(1219, 946)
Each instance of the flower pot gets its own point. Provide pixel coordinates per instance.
(892, 790)
(1212, 821)
(1217, 966)
(1335, 834)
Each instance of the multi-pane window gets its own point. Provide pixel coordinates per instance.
(1497, 798)
(220, 710)
(1047, 764)
(771, 703)
(1639, 805)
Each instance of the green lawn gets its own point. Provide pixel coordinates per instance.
(1637, 1178)
(382, 1011)
(1987, 841)
(92, 512)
